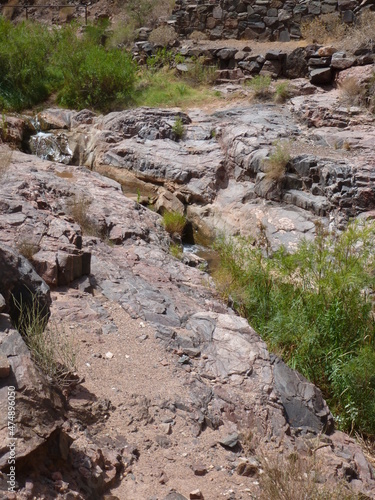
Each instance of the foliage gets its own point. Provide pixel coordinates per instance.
(24, 76)
(200, 72)
(164, 89)
(50, 347)
(178, 128)
(275, 165)
(176, 250)
(148, 12)
(89, 74)
(37, 61)
(260, 85)
(174, 223)
(162, 58)
(282, 92)
(314, 307)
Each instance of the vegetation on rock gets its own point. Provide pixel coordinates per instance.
(174, 223)
(315, 309)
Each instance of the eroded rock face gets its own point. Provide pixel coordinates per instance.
(39, 407)
(20, 285)
(232, 381)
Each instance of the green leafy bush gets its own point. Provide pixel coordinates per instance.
(24, 77)
(275, 165)
(314, 308)
(101, 77)
(35, 61)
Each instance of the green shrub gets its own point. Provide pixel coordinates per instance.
(90, 75)
(174, 223)
(260, 85)
(314, 308)
(24, 77)
(282, 92)
(178, 128)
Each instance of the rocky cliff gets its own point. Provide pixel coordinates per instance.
(179, 393)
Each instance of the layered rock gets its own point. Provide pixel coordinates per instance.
(234, 383)
(254, 20)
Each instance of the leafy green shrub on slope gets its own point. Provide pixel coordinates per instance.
(314, 308)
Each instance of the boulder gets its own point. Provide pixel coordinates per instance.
(321, 76)
(20, 284)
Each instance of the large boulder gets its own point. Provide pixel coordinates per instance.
(21, 285)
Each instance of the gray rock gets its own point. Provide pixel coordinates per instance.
(302, 401)
(321, 76)
(20, 284)
(229, 441)
(175, 496)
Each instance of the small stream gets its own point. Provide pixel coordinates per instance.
(54, 146)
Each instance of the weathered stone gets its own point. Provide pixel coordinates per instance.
(229, 441)
(293, 388)
(321, 76)
(340, 61)
(20, 283)
(4, 366)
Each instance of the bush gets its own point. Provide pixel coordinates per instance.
(275, 165)
(314, 308)
(174, 223)
(91, 76)
(282, 92)
(260, 85)
(324, 29)
(24, 77)
(351, 92)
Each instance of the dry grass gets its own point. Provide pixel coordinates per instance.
(362, 34)
(163, 36)
(298, 478)
(28, 249)
(368, 448)
(330, 29)
(260, 87)
(78, 208)
(275, 165)
(351, 92)
(5, 160)
(324, 29)
(65, 174)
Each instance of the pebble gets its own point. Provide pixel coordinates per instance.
(196, 495)
(109, 355)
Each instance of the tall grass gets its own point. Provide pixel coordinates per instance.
(314, 308)
(51, 349)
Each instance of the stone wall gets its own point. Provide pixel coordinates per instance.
(254, 19)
